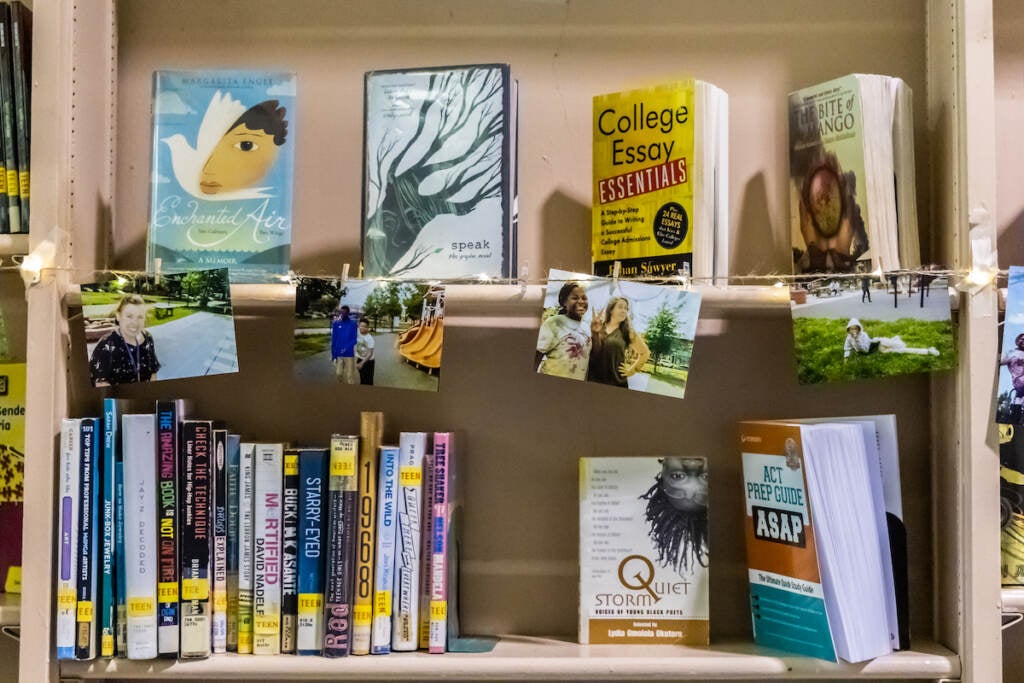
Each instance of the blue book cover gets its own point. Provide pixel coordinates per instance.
(312, 539)
(110, 579)
(221, 187)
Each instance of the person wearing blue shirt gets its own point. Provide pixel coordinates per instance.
(344, 331)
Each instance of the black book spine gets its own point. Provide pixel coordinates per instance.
(220, 540)
(167, 505)
(339, 564)
(85, 621)
(290, 555)
(195, 531)
(21, 61)
(7, 122)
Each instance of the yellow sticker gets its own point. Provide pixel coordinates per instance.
(244, 643)
(67, 599)
(167, 591)
(12, 183)
(382, 603)
(195, 589)
(24, 184)
(85, 612)
(410, 476)
(220, 602)
(106, 645)
(266, 625)
(141, 607)
(343, 464)
(438, 609)
(13, 582)
(362, 615)
(291, 463)
(310, 603)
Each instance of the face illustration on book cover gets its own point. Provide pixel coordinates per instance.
(369, 332)
(625, 334)
(222, 172)
(677, 513)
(140, 328)
(867, 325)
(1010, 396)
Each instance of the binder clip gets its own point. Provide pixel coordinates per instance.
(683, 277)
(524, 275)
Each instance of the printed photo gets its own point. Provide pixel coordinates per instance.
(847, 328)
(1010, 398)
(369, 332)
(141, 328)
(616, 332)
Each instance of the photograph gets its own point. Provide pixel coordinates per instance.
(620, 333)
(870, 325)
(143, 328)
(1010, 394)
(369, 332)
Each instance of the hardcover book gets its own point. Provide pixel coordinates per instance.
(438, 169)
(661, 170)
(339, 567)
(443, 457)
(221, 188)
(246, 531)
(426, 550)
(169, 415)
(88, 554)
(853, 205)
(8, 125)
(112, 542)
(21, 67)
(266, 608)
(233, 478)
(67, 551)
(290, 552)
(644, 550)
(313, 474)
(371, 429)
(219, 554)
(196, 530)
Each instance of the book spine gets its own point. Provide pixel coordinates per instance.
(426, 554)
(85, 620)
(120, 558)
(67, 597)
(108, 605)
(167, 478)
(439, 548)
(219, 622)
(233, 463)
(246, 491)
(371, 429)
(405, 621)
(140, 512)
(21, 38)
(195, 530)
(342, 504)
(289, 553)
(313, 474)
(387, 495)
(7, 122)
(267, 550)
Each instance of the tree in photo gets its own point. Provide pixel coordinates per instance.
(661, 336)
(383, 304)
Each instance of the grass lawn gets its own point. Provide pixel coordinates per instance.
(305, 323)
(819, 349)
(311, 344)
(176, 314)
(96, 298)
(674, 376)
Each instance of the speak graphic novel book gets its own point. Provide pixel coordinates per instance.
(438, 164)
(644, 550)
(221, 186)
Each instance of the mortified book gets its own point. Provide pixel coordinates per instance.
(644, 550)
(661, 169)
(852, 193)
(221, 186)
(438, 170)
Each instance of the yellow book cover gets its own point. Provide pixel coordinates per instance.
(12, 459)
(371, 428)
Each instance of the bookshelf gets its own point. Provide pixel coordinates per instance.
(523, 433)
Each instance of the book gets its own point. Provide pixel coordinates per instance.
(644, 562)
(12, 473)
(313, 477)
(246, 533)
(140, 542)
(426, 550)
(853, 199)
(442, 463)
(384, 576)
(818, 550)
(233, 458)
(67, 552)
(8, 124)
(1010, 392)
(21, 67)
(169, 415)
(266, 607)
(196, 531)
(219, 556)
(113, 412)
(661, 170)
(111, 613)
(221, 188)
(405, 619)
(88, 555)
(371, 428)
(438, 169)
(1011, 504)
(340, 561)
(290, 552)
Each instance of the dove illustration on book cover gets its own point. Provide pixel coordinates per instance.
(222, 172)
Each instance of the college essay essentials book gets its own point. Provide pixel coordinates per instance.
(221, 186)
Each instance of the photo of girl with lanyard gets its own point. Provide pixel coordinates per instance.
(127, 354)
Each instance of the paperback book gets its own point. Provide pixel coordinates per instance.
(1011, 503)
(221, 188)
(140, 517)
(1010, 397)
(661, 171)
(12, 473)
(438, 172)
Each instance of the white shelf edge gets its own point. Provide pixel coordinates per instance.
(14, 245)
(10, 609)
(1013, 600)
(529, 658)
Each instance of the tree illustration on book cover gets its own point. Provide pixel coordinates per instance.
(436, 168)
(221, 188)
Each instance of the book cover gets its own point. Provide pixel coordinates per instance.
(196, 531)
(1010, 392)
(246, 537)
(12, 475)
(111, 613)
(266, 608)
(405, 628)
(290, 552)
(384, 576)
(1011, 503)
(140, 543)
(371, 429)
(438, 624)
(219, 570)
(169, 415)
(233, 467)
(426, 550)
(8, 124)
(644, 562)
(660, 170)
(221, 189)
(21, 66)
(313, 476)
(340, 563)
(437, 172)
(88, 554)
(67, 552)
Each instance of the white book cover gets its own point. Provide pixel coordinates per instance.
(246, 476)
(140, 533)
(387, 521)
(267, 549)
(644, 550)
(406, 595)
(67, 595)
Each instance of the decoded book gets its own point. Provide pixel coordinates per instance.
(644, 550)
(853, 203)
(661, 173)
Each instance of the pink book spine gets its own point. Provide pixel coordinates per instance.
(438, 545)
